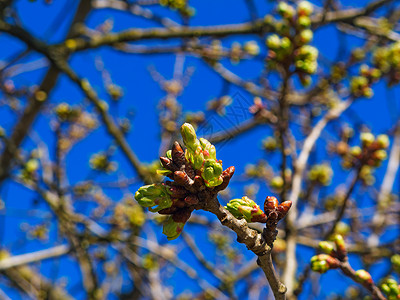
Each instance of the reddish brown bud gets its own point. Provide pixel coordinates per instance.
(198, 181)
(182, 215)
(192, 199)
(178, 156)
(168, 211)
(177, 192)
(181, 178)
(167, 163)
(226, 177)
(189, 170)
(283, 209)
(271, 203)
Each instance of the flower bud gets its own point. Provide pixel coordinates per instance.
(277, 182)
(304, 21)
(273, 42)
(367, 138)
(252, 48)
(271, 203)
(395, 260)
(245, 208)
(355, 151)
(306, 36)
(323, 262)
(304, 8)
(285, 10)
(212, 173)
(326, 247)
(152, 195)
(189, 136)
(383, 141)
(208, 149)
(363, 276)
(283, 209)
(380, 154)
(340, 243)
(172, 229)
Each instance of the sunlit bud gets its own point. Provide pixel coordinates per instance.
(245, 208)
(208, 149)
(251, 48)
(304, 8)
(306, 36)
(277, 182)
(271, 203)
(273, 42)
(367, 138)
(286, 43)
(383, 141)
(380, 154)
(32, 165)
(355, 151)
(189, 136)
(340, 243)
(363, 276)
(395, 260)
(154, 195)
(168, 154)
(326, 247)
(212, 173)
(172, 229)
(391, 288)
(304, 21)
(285, 10)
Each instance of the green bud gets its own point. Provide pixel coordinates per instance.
(154, 195)
(32, 165)
(380, 154)
(326, 247)
(244, 208)
(395, 260)
(277, 182)
(306, 36)
(285, 10)
(251, 48)
(319, 264)
(383, 141)
(304, 8)
(355, 151)
(286, 43)
(273, 42)
(363, 276)
(367, 138)
(208, 149)
(212, 173)
(172, 229)
(169, 154)
(304, 21)
(340, 243)
(189, 136)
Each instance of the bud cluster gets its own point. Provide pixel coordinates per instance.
(360, 86)
(371, 153)
(387, 59)
(247, 209)
(202, 155)
(101, 162)
(334, 253)
(194, 172)
(391, 288)
(291, 45)
(179, 5)
(66, 113)
(321, 174)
